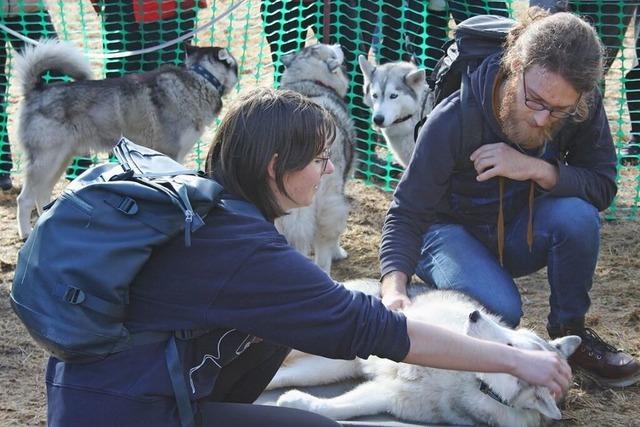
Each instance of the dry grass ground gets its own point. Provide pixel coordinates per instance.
(615, 295)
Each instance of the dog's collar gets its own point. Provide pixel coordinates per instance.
(484, 388)
(319, 83)
(403, 119)
(199, 69)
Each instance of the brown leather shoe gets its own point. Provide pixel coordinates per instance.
(605, 364)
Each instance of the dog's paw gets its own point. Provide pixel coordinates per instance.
(299, 400)
(339, 253)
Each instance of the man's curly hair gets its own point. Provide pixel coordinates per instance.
(561, 43)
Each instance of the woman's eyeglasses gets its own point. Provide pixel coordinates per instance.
(324, 157)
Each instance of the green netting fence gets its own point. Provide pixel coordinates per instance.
(130, 36)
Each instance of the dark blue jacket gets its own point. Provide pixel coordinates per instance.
(240, 279)
(439, 185)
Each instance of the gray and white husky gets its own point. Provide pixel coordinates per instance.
(430, 395)
(399, 98)
(165, 109)
(316, 72)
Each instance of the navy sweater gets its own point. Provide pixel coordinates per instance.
(239, 279)
(439, 185)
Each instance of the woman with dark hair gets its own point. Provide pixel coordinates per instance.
(252, 297)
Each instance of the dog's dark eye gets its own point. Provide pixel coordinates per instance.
(393, 96)
(374, 95)
(509, 344)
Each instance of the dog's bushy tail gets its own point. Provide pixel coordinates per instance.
(49, 54)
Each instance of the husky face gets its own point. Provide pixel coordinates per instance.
(218, 61)
(319, 62)
(393, 91)
(510, 389)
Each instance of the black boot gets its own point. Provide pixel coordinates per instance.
(5, 181)
(630, 154)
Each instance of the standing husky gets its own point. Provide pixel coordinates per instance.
(426, 394)
(316, 72)
(166, 109)
(399, 98)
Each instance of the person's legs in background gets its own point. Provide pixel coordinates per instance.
(6, 164)
(631, 153)
(354, 32)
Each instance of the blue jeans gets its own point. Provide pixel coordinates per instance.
(566, 240)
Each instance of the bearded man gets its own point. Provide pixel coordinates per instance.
(526, 199)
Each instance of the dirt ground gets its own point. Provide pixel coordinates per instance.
(615, 314)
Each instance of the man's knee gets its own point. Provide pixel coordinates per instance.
(573, 217)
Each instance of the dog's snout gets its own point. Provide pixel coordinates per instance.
(378, 119)
(474, 316)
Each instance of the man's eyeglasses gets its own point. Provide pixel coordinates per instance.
(324, 157)
(539, 106)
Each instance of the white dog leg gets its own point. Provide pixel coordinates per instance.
(26, 204)
(311, 370)
(366, 399)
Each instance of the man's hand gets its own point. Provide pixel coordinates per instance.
(500, 159)
(393, 291)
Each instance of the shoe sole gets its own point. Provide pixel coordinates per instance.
(610, 383)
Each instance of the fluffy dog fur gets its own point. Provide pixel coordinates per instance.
(399, 98)
(166, 109)
(316, 72)
(425, 394)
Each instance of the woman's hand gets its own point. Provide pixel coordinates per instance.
(544, 368)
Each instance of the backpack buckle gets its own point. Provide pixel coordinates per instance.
(73, 295)
(128, 206)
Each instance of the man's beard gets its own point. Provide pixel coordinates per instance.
(515, 123)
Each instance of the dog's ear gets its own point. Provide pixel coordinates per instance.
(566, 345)
(416, 79)
(225, 56)
(366, 67)
(337, 49)
(287, 59)
(189, 48)
(540, 399)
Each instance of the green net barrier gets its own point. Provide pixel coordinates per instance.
(260, 32)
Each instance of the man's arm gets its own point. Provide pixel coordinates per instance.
(422, 188)
(393, 290)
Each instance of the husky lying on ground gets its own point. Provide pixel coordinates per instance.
(316, 72)
(399, 98)
(165, 109)
(429, 395)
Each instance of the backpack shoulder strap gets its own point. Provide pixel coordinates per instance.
(472, 126)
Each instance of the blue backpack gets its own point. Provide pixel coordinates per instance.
(71, 285)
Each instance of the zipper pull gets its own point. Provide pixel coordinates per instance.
(188, 221)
